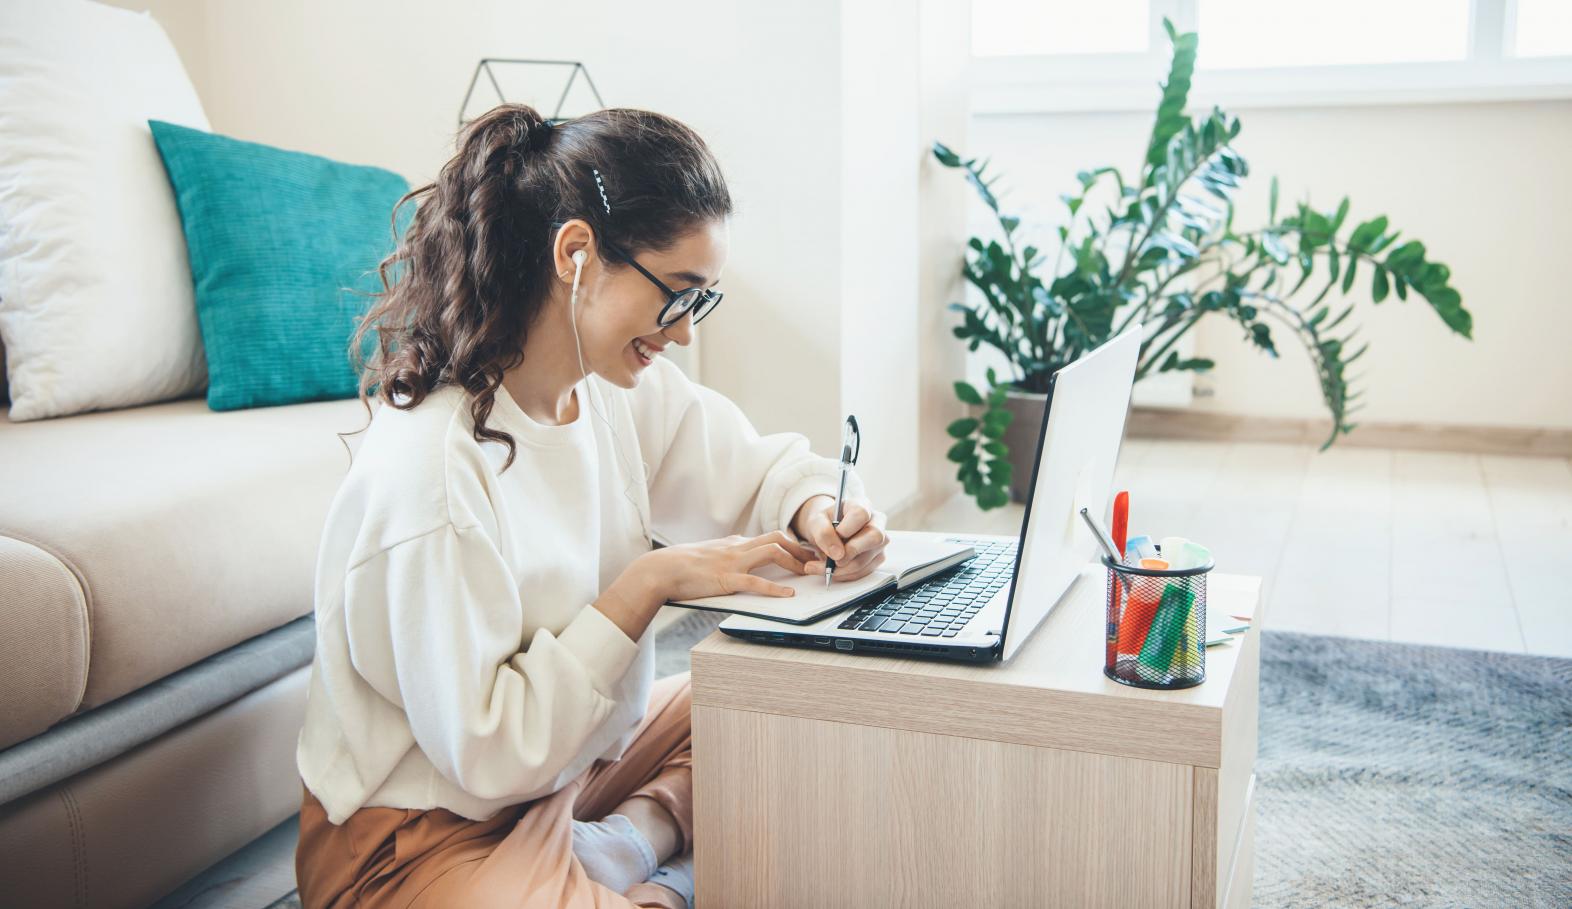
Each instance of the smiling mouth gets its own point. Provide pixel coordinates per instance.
(645, 352)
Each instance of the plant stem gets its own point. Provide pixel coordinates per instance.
(1161, 215)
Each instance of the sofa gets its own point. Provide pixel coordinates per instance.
(156, 566)
(157, 550)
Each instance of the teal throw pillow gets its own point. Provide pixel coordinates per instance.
(284, 248)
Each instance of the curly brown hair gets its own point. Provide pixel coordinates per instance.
(472, 271)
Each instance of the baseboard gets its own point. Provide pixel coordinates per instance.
(1172, 423)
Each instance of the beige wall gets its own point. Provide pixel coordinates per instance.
(847, 237)
(1485, 187)
(825, 304)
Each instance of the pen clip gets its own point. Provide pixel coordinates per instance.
(851, 442)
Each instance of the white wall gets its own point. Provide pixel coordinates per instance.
(878, 199)
(821, 148)
(1484, 185)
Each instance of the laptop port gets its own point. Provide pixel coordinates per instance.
(821, 641)
(843, 645)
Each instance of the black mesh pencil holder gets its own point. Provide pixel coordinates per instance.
(1156, 625)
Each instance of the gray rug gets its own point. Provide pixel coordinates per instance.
(1399, 775)
(1389, 774)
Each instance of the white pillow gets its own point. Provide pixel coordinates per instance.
(96, 307)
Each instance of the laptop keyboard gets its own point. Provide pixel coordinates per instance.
(940, 607)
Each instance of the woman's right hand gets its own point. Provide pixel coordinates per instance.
(704, 569)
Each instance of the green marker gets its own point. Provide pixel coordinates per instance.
(1169, 623)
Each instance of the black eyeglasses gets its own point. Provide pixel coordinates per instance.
(700, 301)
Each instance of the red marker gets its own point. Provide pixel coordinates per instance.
(1121, 520)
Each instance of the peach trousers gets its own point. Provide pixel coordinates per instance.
(402, 858)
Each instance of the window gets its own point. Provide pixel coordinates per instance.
(1007, 27)
(1543, 28)
(1041, 55)
(1262, 34)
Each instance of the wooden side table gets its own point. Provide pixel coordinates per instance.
(822, 779)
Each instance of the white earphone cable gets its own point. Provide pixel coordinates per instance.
(573, 300)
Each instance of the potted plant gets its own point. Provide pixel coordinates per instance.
(1164, 253)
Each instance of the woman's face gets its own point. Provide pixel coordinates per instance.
(618, 306)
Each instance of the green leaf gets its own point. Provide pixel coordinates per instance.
(1407, 256)
(1195, 364)
(1378, 285)
(1271, 205)
(996, 448)
(946, 157)
(961, 450)
(1273, 244)
(1261, 336)
(962, 427)
(1347, 310)
(1342, 212)
(1365, 234)
(967, 393)
(1176, 90)
(993, 497)
(1448, 304)
(1348, 276)
(975, 178)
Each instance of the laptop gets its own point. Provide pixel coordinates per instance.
(985, 608)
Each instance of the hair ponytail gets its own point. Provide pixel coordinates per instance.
(473, 270)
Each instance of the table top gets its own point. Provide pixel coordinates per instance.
(1052, 693)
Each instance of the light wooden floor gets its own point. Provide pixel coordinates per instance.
(1426, 547)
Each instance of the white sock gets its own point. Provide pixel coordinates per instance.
(613, 852)
(677, 876)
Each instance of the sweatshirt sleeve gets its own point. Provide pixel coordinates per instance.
(435, 625)
(712, 474)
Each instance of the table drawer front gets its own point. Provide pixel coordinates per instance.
(798, 812)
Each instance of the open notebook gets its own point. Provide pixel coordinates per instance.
(908, 559)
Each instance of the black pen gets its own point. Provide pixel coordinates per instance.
(851, 446)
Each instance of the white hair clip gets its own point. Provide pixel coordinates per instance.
(602, 187)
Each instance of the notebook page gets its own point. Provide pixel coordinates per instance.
(903, 555)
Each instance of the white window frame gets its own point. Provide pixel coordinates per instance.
(1120, 82)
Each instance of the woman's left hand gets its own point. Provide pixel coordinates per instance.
(857, 545)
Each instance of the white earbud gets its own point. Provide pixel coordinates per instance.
(579, 258)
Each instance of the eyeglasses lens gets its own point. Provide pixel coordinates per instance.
(698, 301)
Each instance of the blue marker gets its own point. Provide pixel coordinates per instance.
(1138, 548)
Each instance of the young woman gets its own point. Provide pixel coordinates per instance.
(483, 728)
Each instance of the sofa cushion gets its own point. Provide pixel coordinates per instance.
(178, 532)
(43, 640)
(284, 248)
(95, 294)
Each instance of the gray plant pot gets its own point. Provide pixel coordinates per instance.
(1021, 437)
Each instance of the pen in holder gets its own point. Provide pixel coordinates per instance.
(1156, 625)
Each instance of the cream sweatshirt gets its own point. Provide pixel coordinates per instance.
(459, 661)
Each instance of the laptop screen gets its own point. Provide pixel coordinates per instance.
(1077, 450)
